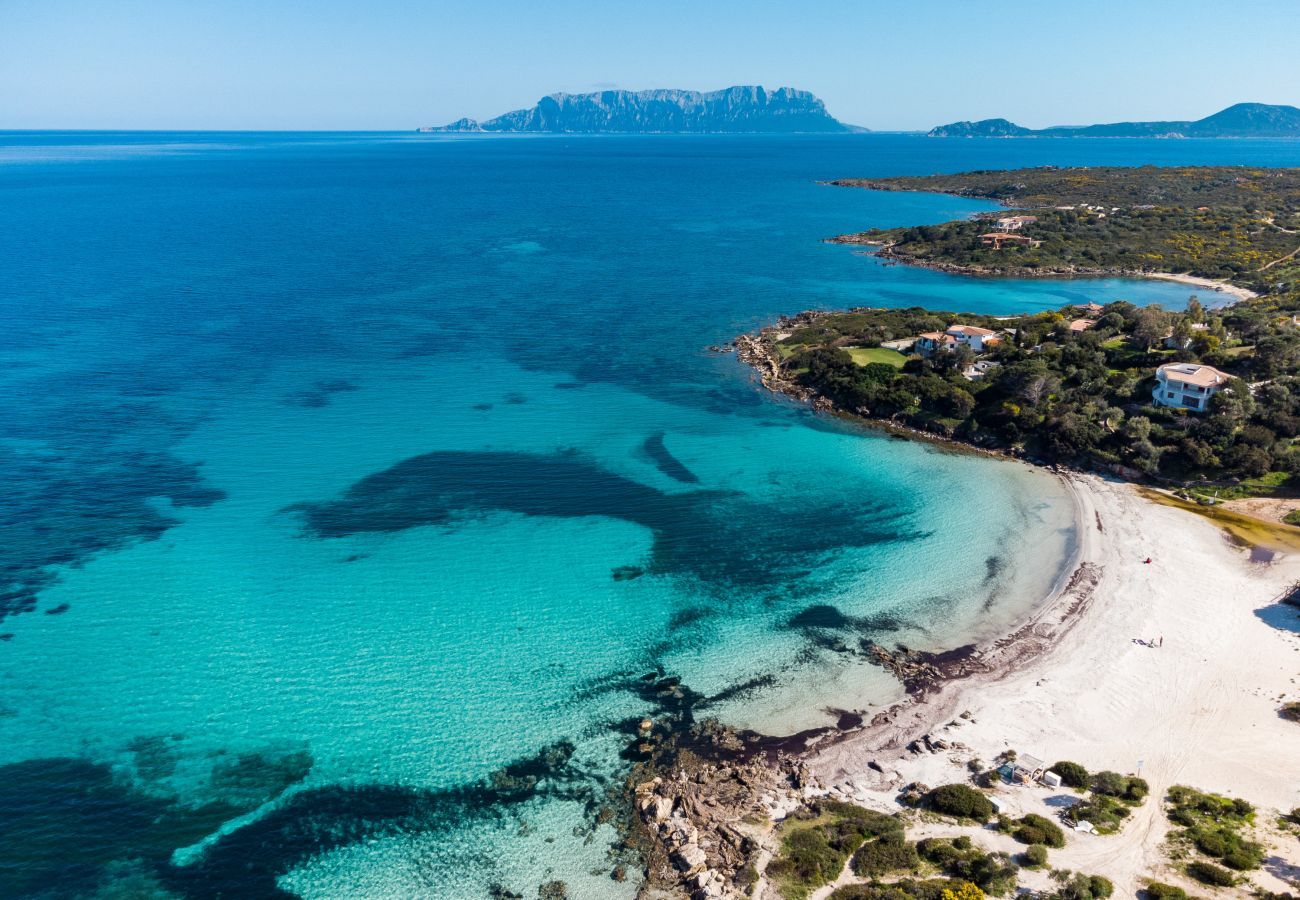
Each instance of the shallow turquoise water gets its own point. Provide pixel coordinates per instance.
(329, 449)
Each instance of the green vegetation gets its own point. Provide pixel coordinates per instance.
(994, 873)
(1157, 890)
(1290, 710)
(1081, 887)
(1035, 856)
(1292, 518)
(1214, 826)
(1213, 221)
(1209, 873)
(1072, 774)
(1129, 788)
(864, 356)
(1106, 814)
(891, 852)
(816, 845)
(910, 889)
(1035, 829)
(962, 801)
(1081, 398)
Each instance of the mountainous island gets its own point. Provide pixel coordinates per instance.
(1243, 120)
(746, 109)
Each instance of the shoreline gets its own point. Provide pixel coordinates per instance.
(1237, 292)
(1070, 681)
(1073, 683)
(1074, 679)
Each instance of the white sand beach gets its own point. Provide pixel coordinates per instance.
(1200, 709)
(1237, 293)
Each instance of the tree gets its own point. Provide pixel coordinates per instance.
(1150, 324)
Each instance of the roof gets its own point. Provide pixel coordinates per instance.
(1032, 763)
(1091, 307)
(1081, 324)
(1191, 373)
(971, 330)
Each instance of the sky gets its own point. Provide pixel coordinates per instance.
(397, 65)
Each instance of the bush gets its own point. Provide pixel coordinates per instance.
(1035, 856)
(1080, 887)
(1209, 873)
(888, 853)
(993, 872)
(1291, 710)
(1072, 774)
(1105, 813)
(1035, 829)
(1125, 787)
(817, 844)
(962, 801)
(1157, 890)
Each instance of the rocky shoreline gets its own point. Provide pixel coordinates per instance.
(706, 801)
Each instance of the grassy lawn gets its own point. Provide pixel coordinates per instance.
(866, 355)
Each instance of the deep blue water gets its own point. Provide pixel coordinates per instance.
(343, 471)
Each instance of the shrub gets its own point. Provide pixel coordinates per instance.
(1125, 787)
(1035, 855)
(1035, 829)
(1247, 856)
(1291, 710)
(1072, 774)
(1081, 887)
(961, 800)
(819, 842)
(993, 872)
(1105, 813)
(889, 853)
(1157, 890)
(1209, 873)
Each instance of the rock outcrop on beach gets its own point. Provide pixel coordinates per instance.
(1242, 120)
(741, 109)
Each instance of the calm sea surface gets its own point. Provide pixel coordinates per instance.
(352, 484)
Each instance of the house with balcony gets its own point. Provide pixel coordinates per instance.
(972, 336)
(1187, 386)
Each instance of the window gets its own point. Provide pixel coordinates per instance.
(1169, 393)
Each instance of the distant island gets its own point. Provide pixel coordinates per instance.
(747, 109)
(1243, 120)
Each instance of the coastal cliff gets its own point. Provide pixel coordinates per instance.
(741, 109)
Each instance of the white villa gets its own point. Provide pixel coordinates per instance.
(1187, 385)
(978, 339)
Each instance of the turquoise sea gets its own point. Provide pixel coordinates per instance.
(354, 484)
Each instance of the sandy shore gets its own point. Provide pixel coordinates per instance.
(1237, 293)
(1074, 684)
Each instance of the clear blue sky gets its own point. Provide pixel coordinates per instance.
(393, 64)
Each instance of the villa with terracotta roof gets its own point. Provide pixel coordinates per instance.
(1079, 325)
(1187, 386)
(972, 336)
(1089, 309)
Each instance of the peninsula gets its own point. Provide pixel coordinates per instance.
(1242, 120)
(1205, 396)
(745, 109)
